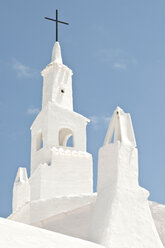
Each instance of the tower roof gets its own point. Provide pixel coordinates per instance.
(56, 53)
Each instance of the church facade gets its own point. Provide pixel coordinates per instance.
(58, 195)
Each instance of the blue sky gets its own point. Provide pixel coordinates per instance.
(116, 50)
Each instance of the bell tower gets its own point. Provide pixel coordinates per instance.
(57, 81)
(60, 164)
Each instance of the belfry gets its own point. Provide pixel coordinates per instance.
(59, 168)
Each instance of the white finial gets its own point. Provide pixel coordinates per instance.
(56, 53)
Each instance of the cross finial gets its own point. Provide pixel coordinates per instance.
(57, 21)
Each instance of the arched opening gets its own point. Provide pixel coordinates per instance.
(70, 141)
(39, 141)
(113, 137)
(66, 137)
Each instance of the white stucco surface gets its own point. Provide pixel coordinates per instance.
(75, 223)
(158, 214)
(21, 189)
(56, 53)
(122, 216)
(18, 235)
(57, 81)
(37, 211)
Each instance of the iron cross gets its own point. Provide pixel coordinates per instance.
(57, 21)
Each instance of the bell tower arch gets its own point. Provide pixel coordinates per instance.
(64, 135)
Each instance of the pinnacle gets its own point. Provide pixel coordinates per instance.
(56, 53)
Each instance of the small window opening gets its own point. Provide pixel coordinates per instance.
(39, 142)
(18, 180)
(41, 146)
(113, 137)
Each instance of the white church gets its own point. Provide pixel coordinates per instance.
(56, 205)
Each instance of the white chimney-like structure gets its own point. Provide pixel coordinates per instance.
(121, 215)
